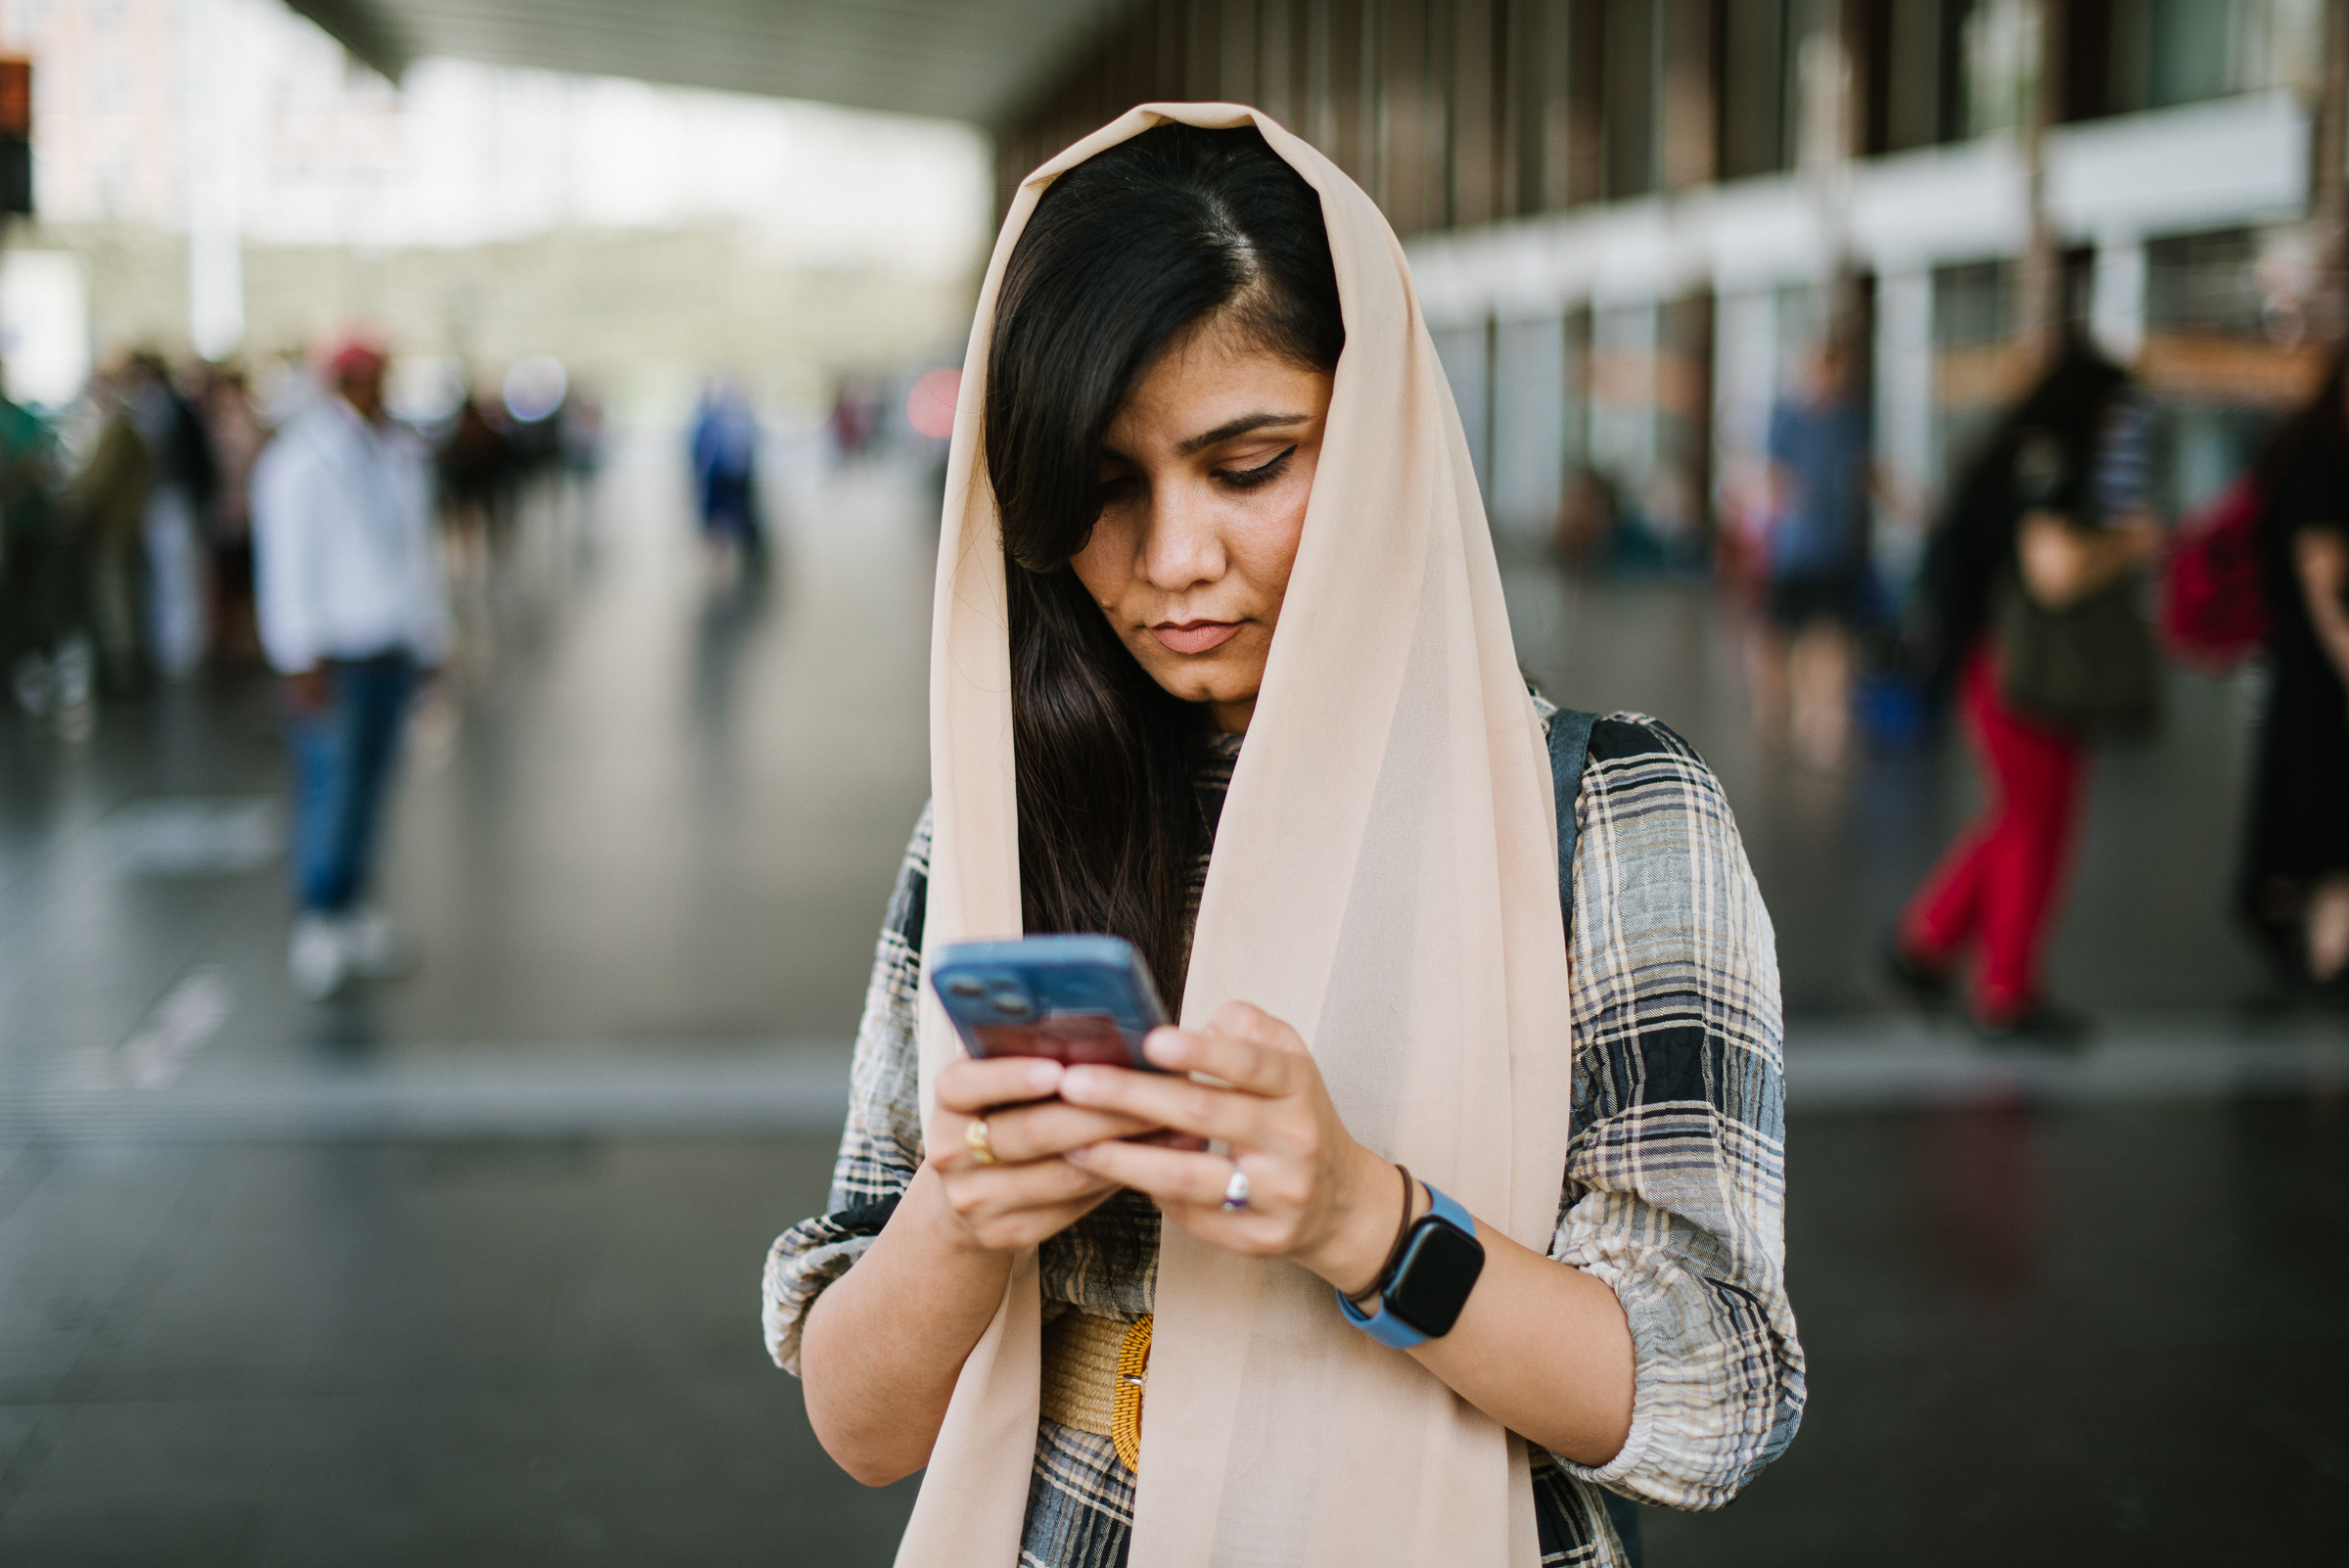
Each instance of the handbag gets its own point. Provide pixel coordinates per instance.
(2213, 612)
(2090, 666)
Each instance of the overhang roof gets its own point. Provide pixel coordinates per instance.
(970, 59)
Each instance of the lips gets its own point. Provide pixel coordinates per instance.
(1195, 637)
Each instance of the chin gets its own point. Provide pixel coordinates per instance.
(1195, 680)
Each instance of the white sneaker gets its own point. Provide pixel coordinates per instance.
(374, 946)
(318, 959)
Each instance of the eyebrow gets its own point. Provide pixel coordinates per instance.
(1238, 427)
(1222, 432)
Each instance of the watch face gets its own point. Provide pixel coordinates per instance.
(1432, 1281)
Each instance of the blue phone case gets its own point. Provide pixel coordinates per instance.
(1072, 998)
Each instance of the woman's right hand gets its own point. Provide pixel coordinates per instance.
(884, 1345)
(1031, 1192)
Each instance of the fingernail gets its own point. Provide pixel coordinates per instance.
(1163, 1046)
(1074, 1084)
(1044, 1074)
(1079, 1156)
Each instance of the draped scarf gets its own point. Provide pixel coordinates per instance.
(1383, 878)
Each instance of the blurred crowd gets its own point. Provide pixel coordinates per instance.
(126, 547)
(2051, 595)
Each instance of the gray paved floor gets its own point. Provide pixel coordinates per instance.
(462, 1351)
(463, 1269)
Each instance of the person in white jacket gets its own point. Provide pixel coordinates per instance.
(354, 613)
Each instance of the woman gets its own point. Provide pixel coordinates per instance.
(2296, 883)
(2053, 507)
(1211, 412)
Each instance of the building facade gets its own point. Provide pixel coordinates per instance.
(1627, 218)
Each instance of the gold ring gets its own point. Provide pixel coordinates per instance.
(983, 1151)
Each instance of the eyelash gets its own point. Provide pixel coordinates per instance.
(1249, 478)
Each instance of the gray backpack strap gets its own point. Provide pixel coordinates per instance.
(1569, 751)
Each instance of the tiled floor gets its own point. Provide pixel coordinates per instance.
(465, 1269)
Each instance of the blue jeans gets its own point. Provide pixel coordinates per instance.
(343, 758)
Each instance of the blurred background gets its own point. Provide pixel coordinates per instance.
(456, 1259)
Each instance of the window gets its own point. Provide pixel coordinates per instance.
(2171, 52)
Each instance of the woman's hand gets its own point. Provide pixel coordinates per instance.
(2062, 564)
(1315, 1195)
(2320, 561)
(1541, 1347)
(1031, 1192)
(883, 1346)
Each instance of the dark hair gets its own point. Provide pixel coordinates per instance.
(2318, 422)
(1123, 254)
(1974, 543)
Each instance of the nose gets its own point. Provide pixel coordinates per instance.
(1182, 544)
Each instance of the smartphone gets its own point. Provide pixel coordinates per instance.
(1073, 998)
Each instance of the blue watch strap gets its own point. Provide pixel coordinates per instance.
(1443, 1207)
(1386, 1327)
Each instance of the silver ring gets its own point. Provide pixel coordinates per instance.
(1235, 1191)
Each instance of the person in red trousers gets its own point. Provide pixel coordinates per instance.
(2053, 506)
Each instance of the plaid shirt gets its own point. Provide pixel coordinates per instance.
(1675, 1181)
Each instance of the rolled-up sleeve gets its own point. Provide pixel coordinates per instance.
(1674, 1191)
(881, 1146)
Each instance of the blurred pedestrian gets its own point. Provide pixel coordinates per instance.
(184, 479)
(725, 474)
(2294, 886)
(2036, 619)
(1588, 509)
(354, 612)
(582, 443)
(224, 403)
(40, 622)
(856, 420)
(107, 499)
(1815, 560)
(477, 470)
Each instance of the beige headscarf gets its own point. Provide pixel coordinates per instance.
(1385, 879)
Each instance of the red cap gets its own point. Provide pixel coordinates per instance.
(356, 356)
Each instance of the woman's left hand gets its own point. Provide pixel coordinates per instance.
(1315, 1195)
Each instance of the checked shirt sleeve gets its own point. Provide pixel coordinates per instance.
(881, 1147)
(1675, 1190)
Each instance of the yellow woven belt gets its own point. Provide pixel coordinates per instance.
(1095, 1370)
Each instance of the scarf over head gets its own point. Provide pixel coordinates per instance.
(1384, 878)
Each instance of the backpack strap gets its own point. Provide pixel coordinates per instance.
(1569, 755)
(1569, 751)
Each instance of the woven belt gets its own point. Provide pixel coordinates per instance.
(1094, 1372)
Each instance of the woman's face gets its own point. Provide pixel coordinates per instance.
(1205, 476)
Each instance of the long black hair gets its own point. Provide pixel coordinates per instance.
(2045, 446)
(2316, 423)
(1123, 254)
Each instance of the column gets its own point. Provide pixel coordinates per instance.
(1530, 393)
(2116, 309)
(1903, 421)
(211, 151)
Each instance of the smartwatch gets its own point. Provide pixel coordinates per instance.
(1421, 1296)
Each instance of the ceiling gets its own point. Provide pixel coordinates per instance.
(971, 59)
